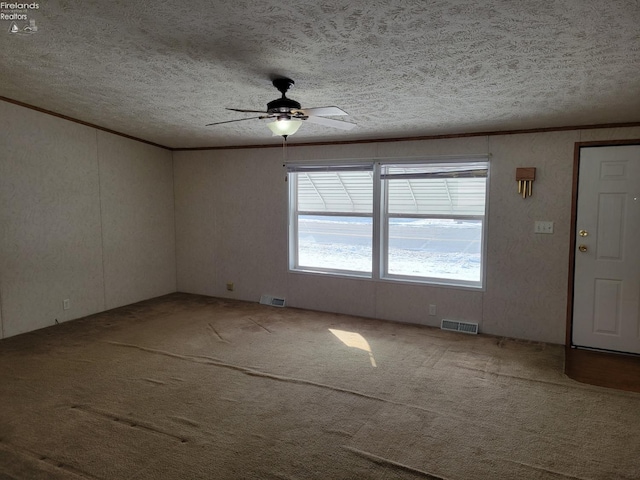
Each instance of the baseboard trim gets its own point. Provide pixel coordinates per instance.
(603, 369)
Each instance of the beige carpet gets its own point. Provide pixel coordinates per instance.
(191, 387)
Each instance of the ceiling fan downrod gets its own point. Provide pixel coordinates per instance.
(283, 84)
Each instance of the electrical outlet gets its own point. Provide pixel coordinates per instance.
(230, 286)
(66, 304)
(432, 309)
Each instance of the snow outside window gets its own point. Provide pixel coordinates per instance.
(424, 222)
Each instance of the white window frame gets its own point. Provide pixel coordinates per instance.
(294, 212)
(385, 216)
(380, 218)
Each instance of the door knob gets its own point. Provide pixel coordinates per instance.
(582, 248)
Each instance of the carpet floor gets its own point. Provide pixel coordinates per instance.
(192, 387)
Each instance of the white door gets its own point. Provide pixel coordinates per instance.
(606, 301)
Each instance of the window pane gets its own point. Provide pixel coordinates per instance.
(338, 243)
(437, 196)
(435, 248)
(348, 192)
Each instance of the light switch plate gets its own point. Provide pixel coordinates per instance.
(543, 227)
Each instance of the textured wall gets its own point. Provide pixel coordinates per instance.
(231, 210)
(222, 195)
(136, 185)
(89, 216)
(196, 208)
(527, 272)
(50, 240)
(66, 191)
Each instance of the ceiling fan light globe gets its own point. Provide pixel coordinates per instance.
(284, 127)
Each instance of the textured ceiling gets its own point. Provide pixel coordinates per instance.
(160, 70)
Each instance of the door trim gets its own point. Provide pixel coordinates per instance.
(597, 368)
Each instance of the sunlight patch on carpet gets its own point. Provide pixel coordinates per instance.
(355, 340)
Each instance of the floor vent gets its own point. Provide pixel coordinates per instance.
(273, 301)
(454, 326)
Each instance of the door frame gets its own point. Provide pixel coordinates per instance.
(598, 368)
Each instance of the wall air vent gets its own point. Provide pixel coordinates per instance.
(273, 301)
(455, 326)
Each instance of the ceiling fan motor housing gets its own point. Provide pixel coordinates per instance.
(284, 104)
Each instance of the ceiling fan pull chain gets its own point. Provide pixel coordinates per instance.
(284, 149)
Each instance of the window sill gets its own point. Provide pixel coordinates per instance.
(389, 280)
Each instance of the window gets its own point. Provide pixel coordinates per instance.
(403, 221)
(432, 221)
(332, 218)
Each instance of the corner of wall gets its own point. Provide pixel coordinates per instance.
(1, 324)
(175, 227)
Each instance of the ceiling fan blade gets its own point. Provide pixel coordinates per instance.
(237, 120)
(330, 122)
(245, 111)
(322, 111)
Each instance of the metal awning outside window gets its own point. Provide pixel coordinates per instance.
(447, 188)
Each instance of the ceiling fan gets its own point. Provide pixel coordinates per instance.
(288, 114)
